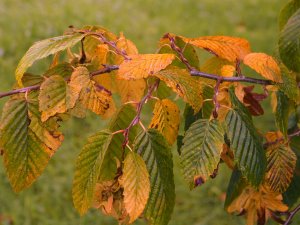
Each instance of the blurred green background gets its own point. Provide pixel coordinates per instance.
(48, 201)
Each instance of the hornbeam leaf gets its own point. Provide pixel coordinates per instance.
(181, 82)
(91, 95)
(120, 121)
(245, 142)
(229, 48)
(282, 112)
(289, 44)
(264, 65)
(201, 150)
(188, 51)
(42, 49)
(130, 90)
(166, 118)
(27, 143)
(143, 65)
(218, 66)
(155, 151)
(235, 187)
(281, 166)
(56, 97)
(136, 183)
(287, 11)
(87, 171)
(289, 85)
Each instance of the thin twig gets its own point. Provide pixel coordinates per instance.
(112, 44)
(231, 79)
(106, 69)
(290, 136)
(137, 117)
(291, 215)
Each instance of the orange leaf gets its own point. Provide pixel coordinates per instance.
(141, 66)
(264, 65)
(230, 48)
(132, 90)
(125, 45)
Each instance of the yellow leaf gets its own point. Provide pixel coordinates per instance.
(281, 162)
(166, 119)
(264, 65)
(218, 66)
(132, 90)
(230, 48)
(92, 95)
(141, 66)
(257, 203)
(136, 183)
(125, 45)
(55, 97)
(99, 56)
(187, 87)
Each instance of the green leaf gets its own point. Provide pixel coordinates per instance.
(282, 112)
(136, 183)
(155, 151)
(63, 69)
(235, 187)
(289, 44)
(289, 85)
(183, 84)
(188, 51)
(87, 171)
(287, 11)
(292, 194)
(27, 143)
(29, 79)
(201, 150)
(56, 96)
(120, 121)
(208, 106)
(281, 166)
(42, 49)
(245, 142)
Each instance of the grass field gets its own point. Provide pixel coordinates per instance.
(48, 201)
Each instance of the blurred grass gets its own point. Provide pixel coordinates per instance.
(48, 201)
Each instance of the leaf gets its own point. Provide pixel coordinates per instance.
(257, 204)
(92, 95)
(126, 45)
(29, 79)
(282, 112)
(289, 44)
(42, 49)
(235, 187)
(87, 171)
(245, 142)
(156, 153)
(289, 85)
(264, 65)
(27, 150)
(136, 183)
(218, 66)
(166, 118)
(188, 51)
(229, 48)
(119, 121)
(201, 150)
(143, 65)
(132, 90)
(56, 97)
(287, 11)
(292, 194)
(281, 166)
(182, 83)
(63, 69)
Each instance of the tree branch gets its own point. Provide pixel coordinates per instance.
(106, 69)
(291, 215)
(140, 105)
